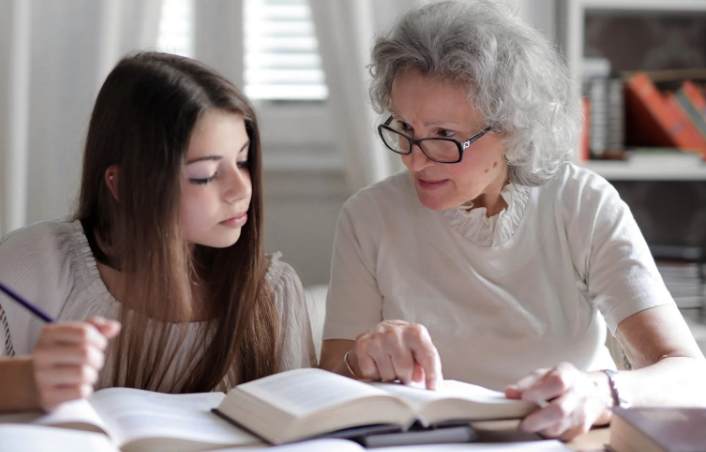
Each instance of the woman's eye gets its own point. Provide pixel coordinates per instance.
(202, 181)
(447, 133)
(244, 164)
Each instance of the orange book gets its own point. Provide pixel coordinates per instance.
(650, 121)
(695, 96)
(691, 137)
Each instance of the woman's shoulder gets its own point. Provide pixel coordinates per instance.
(573, 183)
(46, 239)
(386, 193)
(284, 281)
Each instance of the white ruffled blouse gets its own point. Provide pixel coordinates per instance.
(485, 231)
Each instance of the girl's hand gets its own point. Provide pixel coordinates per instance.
(67, 360)
(396, 350)
(572, 401)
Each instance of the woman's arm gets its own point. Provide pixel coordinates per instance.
(664, 355)
(391, 350)
(669, 369)
(63, 367)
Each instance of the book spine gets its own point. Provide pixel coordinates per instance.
(688, 136)
(650, 109)
(696, 96)
(691, 111)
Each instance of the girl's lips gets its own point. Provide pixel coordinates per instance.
(236, 222)
(431, 184)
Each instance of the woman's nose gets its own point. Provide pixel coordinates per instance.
(238, 186)
(417, 159)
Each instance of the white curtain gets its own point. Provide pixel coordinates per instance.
(218, 35)
(54, 55)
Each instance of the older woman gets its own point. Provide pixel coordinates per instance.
(492, 255)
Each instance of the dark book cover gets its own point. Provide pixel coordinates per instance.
(658, 429)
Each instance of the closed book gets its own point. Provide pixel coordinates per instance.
(696, 96)
(658, 430)
(691, 137)
(649, 121)
(691, 111)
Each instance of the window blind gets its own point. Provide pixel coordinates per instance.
(282, 60)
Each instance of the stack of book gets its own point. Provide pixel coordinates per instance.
(642, 111)
(685, 282)
(684, 273)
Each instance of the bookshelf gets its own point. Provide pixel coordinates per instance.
(572, 20)
(648, 166)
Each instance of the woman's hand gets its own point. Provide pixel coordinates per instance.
(67, 359)
(396, 350)
(572, 401)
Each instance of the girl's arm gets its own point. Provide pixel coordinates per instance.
(64, 366)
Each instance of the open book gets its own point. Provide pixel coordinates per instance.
(304, 403)
(136, 421)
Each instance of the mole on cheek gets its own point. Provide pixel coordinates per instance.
(495, 165)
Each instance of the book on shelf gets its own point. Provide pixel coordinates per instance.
(693, 139)
(133, 420)
(658, 430)
(653, 120)
(305, 403)
(690, 110)
(696, 96)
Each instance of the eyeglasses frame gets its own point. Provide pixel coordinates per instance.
(462, 146)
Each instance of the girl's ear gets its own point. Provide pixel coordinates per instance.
(111, 179)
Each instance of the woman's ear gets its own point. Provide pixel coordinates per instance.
(111, 179)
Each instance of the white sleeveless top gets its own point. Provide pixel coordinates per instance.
(51, 265)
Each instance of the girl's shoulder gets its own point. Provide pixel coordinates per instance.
(282, 278)
(48, 241)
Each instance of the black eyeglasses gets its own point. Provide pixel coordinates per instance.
(442, 150)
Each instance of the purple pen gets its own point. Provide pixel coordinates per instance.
(32, 308)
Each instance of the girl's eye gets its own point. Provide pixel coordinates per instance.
(244, 164)
(202, 181)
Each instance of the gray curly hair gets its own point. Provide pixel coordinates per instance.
(515, 77)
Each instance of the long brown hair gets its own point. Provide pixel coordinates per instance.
(142, 121)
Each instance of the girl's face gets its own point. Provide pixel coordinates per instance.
(216, 185)
(428, 107)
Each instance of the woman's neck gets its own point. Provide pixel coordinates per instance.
(491, 199)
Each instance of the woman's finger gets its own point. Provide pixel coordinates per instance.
(50, 400)
(108, 328)
(425, 353)
(555, 383)
(67, 376)
(72, 333)
(66, 355)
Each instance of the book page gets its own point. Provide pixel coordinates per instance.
(133, 414)
(76, 414)
(417, 396)
(317, 445)
(20, 437)
(455, 400)
(523, 446)
(304, 391)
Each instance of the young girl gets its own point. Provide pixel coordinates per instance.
(167, 239)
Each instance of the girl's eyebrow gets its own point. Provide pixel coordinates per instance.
(205, 158)
(215, 157)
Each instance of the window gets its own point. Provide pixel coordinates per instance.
(282, 61)
(176, 27)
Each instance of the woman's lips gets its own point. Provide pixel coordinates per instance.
(236, 222)
(431, 184)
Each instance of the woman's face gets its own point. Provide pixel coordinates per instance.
(216, 184)
(432, 107)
